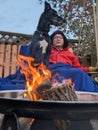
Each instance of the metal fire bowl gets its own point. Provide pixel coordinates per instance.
(12, 93)
(72, 110)
(12, 101)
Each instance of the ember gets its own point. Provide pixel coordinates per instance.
(34, 75)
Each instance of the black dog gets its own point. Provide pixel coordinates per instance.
(40, 51)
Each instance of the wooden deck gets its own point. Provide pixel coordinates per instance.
(10, 44)
(8, 54)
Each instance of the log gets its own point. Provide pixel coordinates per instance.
(63, 92)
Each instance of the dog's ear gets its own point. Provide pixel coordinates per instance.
(47, 6)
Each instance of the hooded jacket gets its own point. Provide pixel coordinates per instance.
(64, 55)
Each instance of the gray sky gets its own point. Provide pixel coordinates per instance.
(20, 16)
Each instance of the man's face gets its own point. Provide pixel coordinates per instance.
(58, 41)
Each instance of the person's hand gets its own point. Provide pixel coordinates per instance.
(93, 69)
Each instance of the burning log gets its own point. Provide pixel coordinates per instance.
(61, 92)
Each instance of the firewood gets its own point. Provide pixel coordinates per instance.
(63, 92)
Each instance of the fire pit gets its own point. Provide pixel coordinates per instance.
(79, 113)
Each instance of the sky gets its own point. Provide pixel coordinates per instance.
(20, 16)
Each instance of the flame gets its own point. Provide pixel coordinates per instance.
(34, 75)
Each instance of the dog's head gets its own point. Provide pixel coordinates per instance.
(52, 15)
(49, 17)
